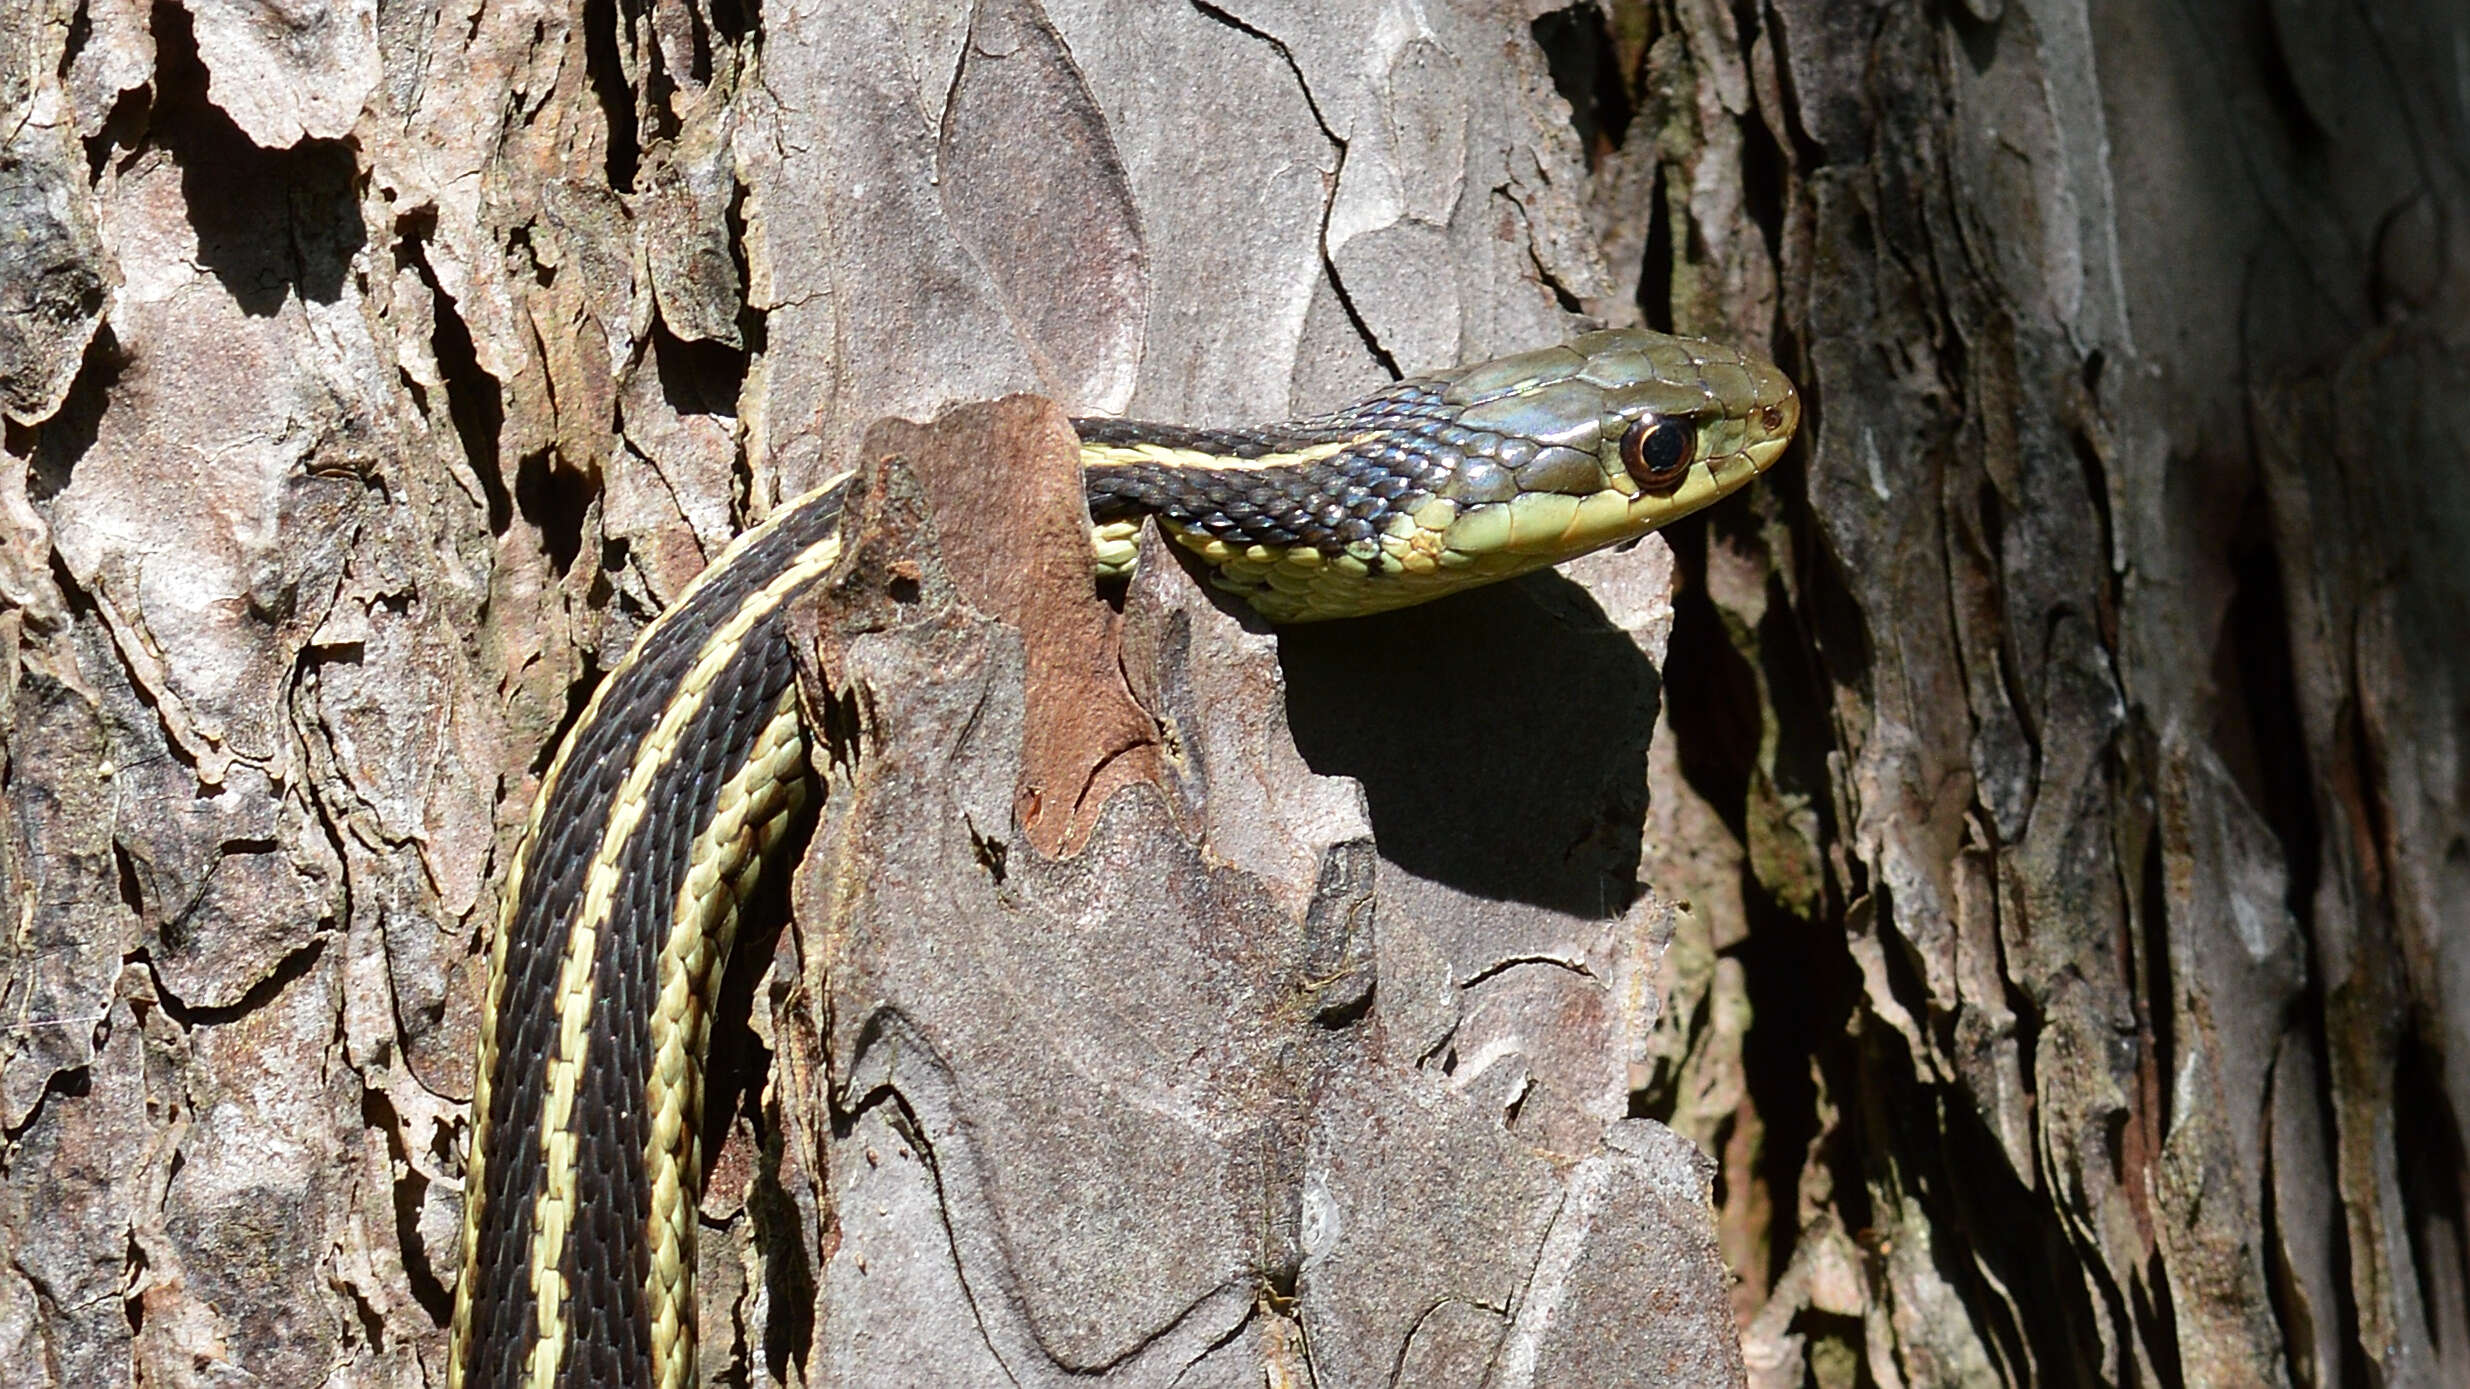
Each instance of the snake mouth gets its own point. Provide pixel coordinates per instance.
(1762, 455)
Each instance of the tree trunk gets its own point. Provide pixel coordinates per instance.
(2034, 808)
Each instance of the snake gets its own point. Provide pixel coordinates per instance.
(677, 787)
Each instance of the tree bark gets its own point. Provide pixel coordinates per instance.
(2014, 845)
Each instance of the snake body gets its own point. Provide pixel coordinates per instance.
(666, 800)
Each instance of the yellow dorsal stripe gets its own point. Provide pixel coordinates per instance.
(554, 1208)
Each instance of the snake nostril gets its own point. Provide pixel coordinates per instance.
(1772, 417)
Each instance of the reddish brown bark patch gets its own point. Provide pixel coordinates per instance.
(1002, 482)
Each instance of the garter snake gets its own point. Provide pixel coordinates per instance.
(659, 809)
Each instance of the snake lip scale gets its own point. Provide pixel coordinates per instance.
(670, 796)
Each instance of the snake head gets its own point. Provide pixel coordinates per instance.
(1600, 440)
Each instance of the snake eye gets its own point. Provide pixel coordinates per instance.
(1657, 452)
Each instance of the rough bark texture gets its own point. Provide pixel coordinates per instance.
(2045, 831)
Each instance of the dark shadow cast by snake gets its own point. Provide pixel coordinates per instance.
(1500, 736)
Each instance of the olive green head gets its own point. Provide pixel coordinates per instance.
(1447, 481)
(1603, 439)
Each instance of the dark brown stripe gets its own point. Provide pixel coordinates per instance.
(504, 1318)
